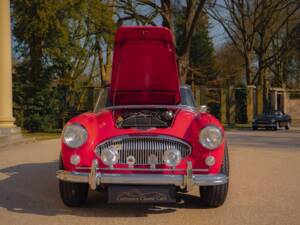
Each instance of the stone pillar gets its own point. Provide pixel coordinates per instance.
(223, 107)
(6, 101)
(232, 106)
(250, 103)
(259, 100)
(275, 98)
(197, 95)
(285, 101)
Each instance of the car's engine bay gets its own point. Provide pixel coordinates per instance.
(144, 118)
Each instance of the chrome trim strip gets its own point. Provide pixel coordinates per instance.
(75, 177)
(144, 169)
(140, 179)
(208, 180)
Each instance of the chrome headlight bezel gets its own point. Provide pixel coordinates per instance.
(211, 137)
(74, 135)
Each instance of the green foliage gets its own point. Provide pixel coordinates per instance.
(201, 55)
(55, 43)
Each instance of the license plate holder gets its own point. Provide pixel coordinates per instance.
(141, 194)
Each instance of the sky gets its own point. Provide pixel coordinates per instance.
(216, 31)
(217, 34)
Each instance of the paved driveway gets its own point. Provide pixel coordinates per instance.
(264, 188)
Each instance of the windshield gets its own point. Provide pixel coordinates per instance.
(187, 99)
(273, 113)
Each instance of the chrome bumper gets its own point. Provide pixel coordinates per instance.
(95, 178)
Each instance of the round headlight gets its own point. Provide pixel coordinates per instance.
(210, 137)
(172, 157)
(109, 156)
(74, 135)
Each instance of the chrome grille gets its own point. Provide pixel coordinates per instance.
(141, 147)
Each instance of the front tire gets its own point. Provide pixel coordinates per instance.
(277, 126)
(72, 194)
(288, 126)
(215, 196)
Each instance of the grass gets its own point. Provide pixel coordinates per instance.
(42, 135)
(237, 126)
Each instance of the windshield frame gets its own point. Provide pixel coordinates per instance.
(108, 105)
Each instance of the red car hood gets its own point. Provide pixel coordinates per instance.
(144, 67)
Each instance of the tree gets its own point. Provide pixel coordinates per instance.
(230, 74)
(202, 68)
(57, 44)
(253, 26)
(238, 19)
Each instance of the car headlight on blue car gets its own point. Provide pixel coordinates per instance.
(211, 137)
(74, 135)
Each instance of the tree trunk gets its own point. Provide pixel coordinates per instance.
(183, 67)
(108, 64)
(248, 69)
(265, 92)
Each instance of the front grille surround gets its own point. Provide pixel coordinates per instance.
(141, 147)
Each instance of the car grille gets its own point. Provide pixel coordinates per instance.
(141, 147)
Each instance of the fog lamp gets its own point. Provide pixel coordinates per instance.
(172, 157)
(109, 156)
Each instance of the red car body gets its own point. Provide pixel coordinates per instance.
(144, 77)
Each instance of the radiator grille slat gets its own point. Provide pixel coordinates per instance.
(141, 147)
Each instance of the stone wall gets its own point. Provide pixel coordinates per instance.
(292, 107)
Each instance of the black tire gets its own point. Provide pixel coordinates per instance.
(215, 196)
(254, 128)
(72, 194)
(276, 126)
(288, 126)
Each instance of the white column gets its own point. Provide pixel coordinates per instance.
(275, 96)
(6, 102)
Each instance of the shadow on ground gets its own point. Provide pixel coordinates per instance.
(33, 189)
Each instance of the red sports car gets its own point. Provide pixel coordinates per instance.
(146, 140)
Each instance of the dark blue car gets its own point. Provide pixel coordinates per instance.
(272, 120)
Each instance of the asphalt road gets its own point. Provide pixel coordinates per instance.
(264, 188)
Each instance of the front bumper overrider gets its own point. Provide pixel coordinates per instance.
(95, 178)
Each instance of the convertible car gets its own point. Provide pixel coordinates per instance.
(146, 140)
(272, 120)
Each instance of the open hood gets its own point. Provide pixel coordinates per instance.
(144, 70)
